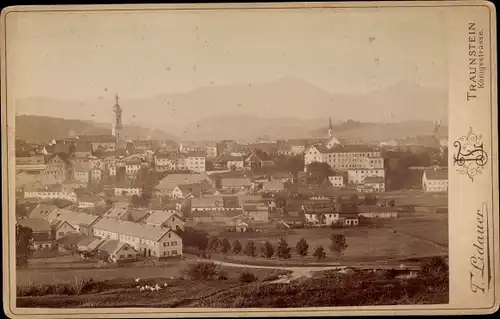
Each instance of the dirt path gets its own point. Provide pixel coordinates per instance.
(301, 272)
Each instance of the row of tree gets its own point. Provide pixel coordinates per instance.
(282, 250)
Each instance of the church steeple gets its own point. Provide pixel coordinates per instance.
(330, 127)
(117, 120)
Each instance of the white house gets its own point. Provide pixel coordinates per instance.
(358, 176)
(127, 190)
(435, 180)
(169, 219)
(325, 216)
(337, 180)
(149, 240)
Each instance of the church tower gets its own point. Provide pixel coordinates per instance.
(117, 121)
(330, 128)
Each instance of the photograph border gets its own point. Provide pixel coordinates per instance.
(7, 148)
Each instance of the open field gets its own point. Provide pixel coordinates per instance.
(364, 244)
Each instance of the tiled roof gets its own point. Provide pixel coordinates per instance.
(72, 217)
(30, 160)
(117, 210)
(231, 202)
(171, 181)
(112, 246)
(345, 149)
(159, 217)
(196, 154)
(83, 147)
(273, 185)
(438, 174)
(36, 224)
(196, 189)
(143, 231)
(229, 213)
(236, 182)
(135, 215)
(91, 242)
(42, 210)
(63, 156)
(205, 202)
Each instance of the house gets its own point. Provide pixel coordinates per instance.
(195, 161)
(374, 211)
(58, 168)
(132, 167)
(373, 184)
(81, 172)
(89, 244)
(337, 180)
(166, 219)
(30, 163)
(184, 191)
(216, 216)
(89, 201)
(114, 251)
(42, 211)
(150, 241)
(256, 212)
(241, 226)
(61, 228)
(49, 192)
(207, 203)
(435, 180)
(42, 232)
(125, 189)
(236, 183)
(321, 216)
(235, 163)
(96, 174)
(171, 181)
(357, 176)
(274, 185)
(81, 222)
(258, 159)
(124, 211)
(349, 219)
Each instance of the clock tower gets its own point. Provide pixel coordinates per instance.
(117, 121)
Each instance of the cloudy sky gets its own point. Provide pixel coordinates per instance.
(85, 55)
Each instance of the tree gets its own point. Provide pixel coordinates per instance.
(370, 200)
(353, 198)
(24, 245)
(267, 250)
(339, 244)
(283, 250)
(136, 201)
(319, 253)
(392, 202)
(302, 247)
(213, 243)
(226, 246)
(250, 249)
(236, 246)
(318, 172)
(233, 168)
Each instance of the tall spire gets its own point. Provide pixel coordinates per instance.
(330, 128)
(116, 99)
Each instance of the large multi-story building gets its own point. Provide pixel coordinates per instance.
(345, 157)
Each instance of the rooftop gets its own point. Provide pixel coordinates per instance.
(36, 224)
(437, 174)
(73, 217)
(143, 231)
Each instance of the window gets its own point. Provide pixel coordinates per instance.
(174, 252)
(61, 233)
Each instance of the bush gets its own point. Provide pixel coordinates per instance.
(247, 277)
(76, 287)
(201, 271)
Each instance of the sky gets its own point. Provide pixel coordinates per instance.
(84, 55)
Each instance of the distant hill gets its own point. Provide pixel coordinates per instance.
(382, 131)
(284, 107)
(34, 128)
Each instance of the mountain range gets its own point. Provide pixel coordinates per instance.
(287, 107)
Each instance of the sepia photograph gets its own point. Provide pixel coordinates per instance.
(232, 158)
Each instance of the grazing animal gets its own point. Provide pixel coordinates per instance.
(142, 289)
(152, 289)
(165, 284)
(137, 279)
(157, 287)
